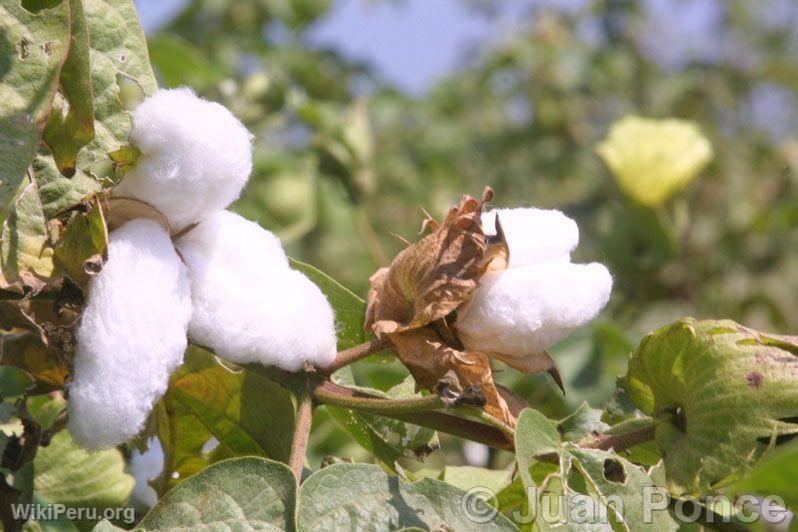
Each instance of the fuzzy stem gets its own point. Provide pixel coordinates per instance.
(299, 443)
(348, 356)
(421, 411)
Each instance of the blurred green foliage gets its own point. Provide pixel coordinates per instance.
(344, 161)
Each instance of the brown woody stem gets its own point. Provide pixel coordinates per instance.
(348, 356)
(420, 411)
(299, 443)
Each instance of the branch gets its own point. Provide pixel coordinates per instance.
(418, 411)
(299, 443)
(348, 356)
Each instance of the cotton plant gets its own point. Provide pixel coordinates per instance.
(217, 280)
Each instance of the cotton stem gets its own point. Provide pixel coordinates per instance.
(349, 356)
(299, 443)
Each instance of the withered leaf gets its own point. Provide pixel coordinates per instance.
(459, 376)
(119, 210)
(27, 352)
(431, 278)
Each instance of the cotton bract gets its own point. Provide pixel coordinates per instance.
(541, 297)
(131, 337)
(195, 156)
(249, 306)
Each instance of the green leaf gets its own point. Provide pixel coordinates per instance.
(350, 310)
(32, 50)
(467, 477)
(602, 477)
(70, 125)
(776, 474)
(26, 256)
(581, 423)
(721, 394)
(236, 494)
(386, 439)
(66, 474)
(654, 159)
(81, 250)
(363, 497)
(247, 413)
(27, 352)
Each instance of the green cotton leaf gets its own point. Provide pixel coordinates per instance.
(364, 497)
(26, 256)
(583, 490)
(583, 422)
(349, 308)
(69, 475)
(776, 474)
(385, 438)
(240, 493)
(33, 48)
(721, 394)
(247, 413)
(654, 159)
(82, 249)
(70, 125)
(467, 477)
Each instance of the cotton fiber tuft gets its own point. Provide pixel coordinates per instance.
(249, 306)
(131, 337)
(534, 234)
(195, 156)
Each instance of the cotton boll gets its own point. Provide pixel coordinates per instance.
(249, 306)
(131, 337)
(195, 156)
(524, 310)
(534, 234)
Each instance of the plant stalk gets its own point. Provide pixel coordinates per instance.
(349, 356)
(299, 443)
(622, 440)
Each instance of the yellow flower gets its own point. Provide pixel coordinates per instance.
(654, 159)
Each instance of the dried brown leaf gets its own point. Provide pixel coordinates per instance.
(459, 377)
(120, 210)
(431, 278)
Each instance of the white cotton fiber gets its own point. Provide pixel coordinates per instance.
(524, 310)
(195, 156)
(534, 234)
(131, 337)
(144, 467)
(249, 306)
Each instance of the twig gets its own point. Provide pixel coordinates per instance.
(299, 443)
(415, 411)
(348, 356)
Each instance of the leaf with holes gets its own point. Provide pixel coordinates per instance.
(81, 250)
(720, 392)
(363, 497)
(240, 493)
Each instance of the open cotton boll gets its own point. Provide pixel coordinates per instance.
(195, 156)
(249, 306)
(534, 234)
(524, 310)
(131, 337)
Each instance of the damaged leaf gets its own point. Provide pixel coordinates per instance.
(26, 254)
(27, 352)
(83, 248)
(721, 393)
(431, 278)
